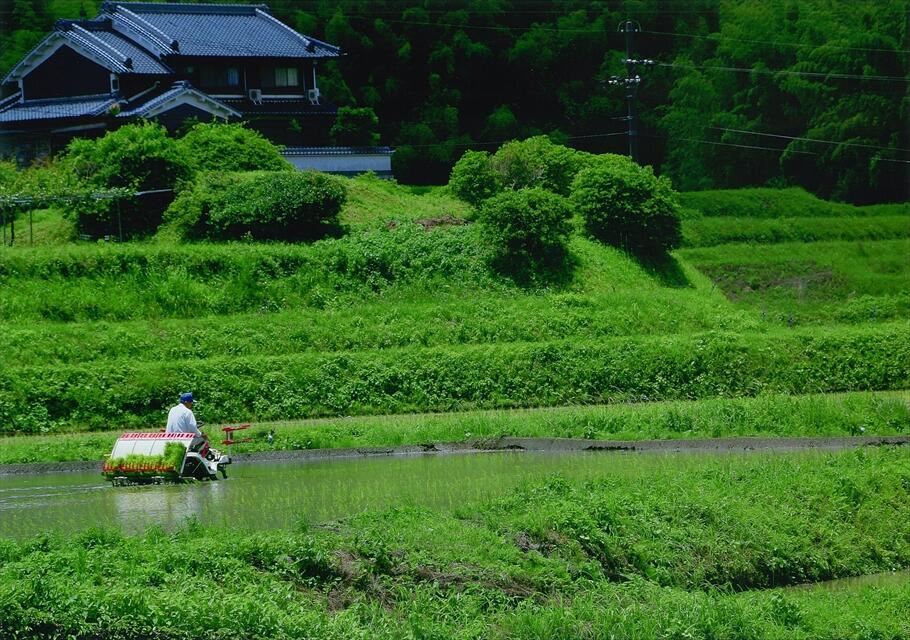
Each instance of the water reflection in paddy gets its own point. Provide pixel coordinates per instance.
(272, 495)
(275, 495)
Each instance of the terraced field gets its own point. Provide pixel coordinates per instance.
(782, 316)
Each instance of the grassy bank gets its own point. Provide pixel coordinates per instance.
(694, 366)
(821, 282)
(638, 556)
(776, 203)
(708, 232)
(481, 317)
(849, 414)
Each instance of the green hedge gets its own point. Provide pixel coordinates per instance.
(707, 232)
(442, 379)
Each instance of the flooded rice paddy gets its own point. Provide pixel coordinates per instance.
(277, 495)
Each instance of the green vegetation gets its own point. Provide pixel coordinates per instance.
(769, 203)
(848, 414)
(136, 157)
(355, 127)
(230, 147)
(473, 179)
(637, 555)
(437, 79)
(859, 281)
(136, 465)
(709, 232)
(626, 205)
(278, 206)
(527, 232)
(451, 378)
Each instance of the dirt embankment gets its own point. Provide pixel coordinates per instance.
(541, 445)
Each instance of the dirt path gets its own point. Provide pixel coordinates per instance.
(705, 445)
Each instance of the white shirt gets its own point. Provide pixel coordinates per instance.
(180, 419)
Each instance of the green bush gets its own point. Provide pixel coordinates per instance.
(230, 147)
(355, 127)
(190, 212)
(262, 205)
(288, 206)
(473, 179)
(536, 162)
(626, 205)
(527, 231)
(136, 157)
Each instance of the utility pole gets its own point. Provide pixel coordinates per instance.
(630, 82)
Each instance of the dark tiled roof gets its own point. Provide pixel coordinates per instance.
(337, 151)
(57, 108)
(142, 60)
(222, 30)
(177, 89)
(280, 107)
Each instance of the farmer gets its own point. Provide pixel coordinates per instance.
(180, 418)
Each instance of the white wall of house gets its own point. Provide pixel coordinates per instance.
(345, 162)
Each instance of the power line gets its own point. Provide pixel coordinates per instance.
(778, 135)
(487, 143)
(771, 42)
(756, 147)
(741, 146)
(535, 27)
(809, 74)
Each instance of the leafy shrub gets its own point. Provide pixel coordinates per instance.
(473, 179)
(263, 205)
(626, 205)
(189, 214)
(136, 157)
(292, 205)
(231, 147)
(536, 162)
(355, 126)
(527, 230)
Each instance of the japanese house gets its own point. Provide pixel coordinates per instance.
(170, 63)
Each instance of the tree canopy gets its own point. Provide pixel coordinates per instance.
(748, 92)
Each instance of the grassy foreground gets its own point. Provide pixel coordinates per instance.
(666, 555)
(848, 414)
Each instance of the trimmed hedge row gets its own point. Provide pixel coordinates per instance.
(707, 232)
(443, 379)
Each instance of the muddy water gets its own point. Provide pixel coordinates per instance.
(275, 495)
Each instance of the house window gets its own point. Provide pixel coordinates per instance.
(220, 77)
(115, 83)
(281, 77)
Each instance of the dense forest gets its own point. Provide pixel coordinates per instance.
(742, 92)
